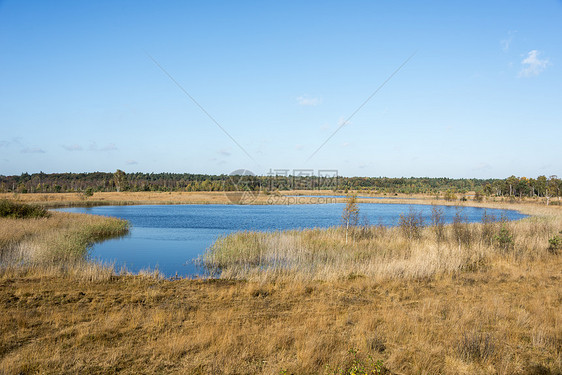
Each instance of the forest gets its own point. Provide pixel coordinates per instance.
(88, 183)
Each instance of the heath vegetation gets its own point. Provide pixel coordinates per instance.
(483, 298)
(35, 240)
(408, 250)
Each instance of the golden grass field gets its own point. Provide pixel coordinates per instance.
(417, 306)
(220, 197)
(204, 197)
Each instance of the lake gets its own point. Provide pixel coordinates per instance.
(170, 237)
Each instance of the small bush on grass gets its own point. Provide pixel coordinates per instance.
(358, 364)
(411, 224)
(555, 244)
(438, 223)
(488, 225)
(504, 239)
(461, 228)
(16, 210)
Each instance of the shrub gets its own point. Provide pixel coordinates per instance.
(89, 192)
(359, 364)
(450, 196)
(488, 224)
(478, 196)
(438, 223)
(350, 215)
(21, 210)
(461, 229)
(504, 240)
(554, 244)
(411, 224)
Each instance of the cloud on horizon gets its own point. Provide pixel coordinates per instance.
(32, 150)
(308, 102)
(74, 147)
(108, 147)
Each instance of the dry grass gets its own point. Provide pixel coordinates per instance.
(378, 252)
(119, 198)
(219, 197)
(504, 319)
(501, 315)
(56, 244)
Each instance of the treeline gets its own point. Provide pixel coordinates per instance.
(541, 186)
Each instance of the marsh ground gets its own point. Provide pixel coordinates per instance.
(501, 315)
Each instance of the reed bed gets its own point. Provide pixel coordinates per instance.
(410, 250)
(56, 244)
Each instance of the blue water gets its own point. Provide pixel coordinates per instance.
(170, 237)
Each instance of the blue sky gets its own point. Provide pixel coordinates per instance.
(481, 97)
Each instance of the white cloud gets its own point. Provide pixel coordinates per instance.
(343, 121)
(310, 102)
(532, 65)
(131, 162)
(224, 152)
(506, 43)
(74, 147)
(32, 150)
(108, 147)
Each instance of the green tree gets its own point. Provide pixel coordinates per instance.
(541, 186)
(89, 192)
(120, 180)
(511, 183)
(552, 188)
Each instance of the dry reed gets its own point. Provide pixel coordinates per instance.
(407, 251)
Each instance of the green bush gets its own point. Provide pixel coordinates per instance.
(21, 210)
(89, 192)
(555, 244)
(504, 240)
(359, 364)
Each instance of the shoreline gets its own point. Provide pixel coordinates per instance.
(61, 200)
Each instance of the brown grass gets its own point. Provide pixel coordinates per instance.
(219, 197)
(500, 316)
(502, 320)
(379, 252)
(119, 198)
(56, 244)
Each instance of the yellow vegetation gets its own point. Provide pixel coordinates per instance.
(500, 315)
(54, 244)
